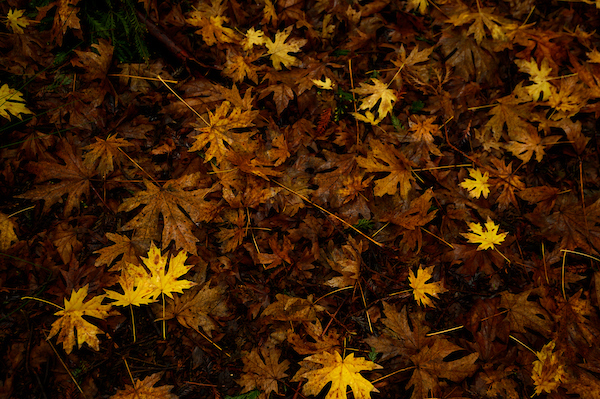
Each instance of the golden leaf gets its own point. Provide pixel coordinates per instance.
(11, 102)
(541, 88)
(278, 49)
(478, 184)
(421, 288)
(486, 239)
(340, 372)
(547, 371)
(16, 21)
(378, 92)
(71, 320)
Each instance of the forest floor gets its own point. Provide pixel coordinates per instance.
(298, 198)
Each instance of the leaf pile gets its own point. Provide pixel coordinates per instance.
(299, 199)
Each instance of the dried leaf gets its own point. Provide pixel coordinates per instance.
(144, 389)
(7, 232)
(262, 370)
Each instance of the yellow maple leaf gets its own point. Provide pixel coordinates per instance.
(378, 93)
(541, 88)
(253, 38)
(11, 101)
(547, 371)
(7, 232)
(136, 291)
(421, 288)
(478, 184)
(486, 239)
(165, 281)
(279, 49)
(212, 29)
(71, 320)
(340, 372)
(327, 84)
(16, 21)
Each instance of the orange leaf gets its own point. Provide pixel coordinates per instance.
(143, 389)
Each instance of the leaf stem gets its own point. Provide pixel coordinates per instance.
(44, 301)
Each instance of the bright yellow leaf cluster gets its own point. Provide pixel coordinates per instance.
(547, 371)
(478, 184)
(421, 288)
(141, 288)
(485, 238)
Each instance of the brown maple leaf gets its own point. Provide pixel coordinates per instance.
(104, 155)
(262, 370)
(123, 246)
(96, 63)
(386, 158)
(430, 367)
(571, 225)
(398, 339)
(523, 313)
(74, 179)
(65, 18)
(287, 308)
(196, 307)
(508, 182)
(169, 201)
(316, 341)
(346, 261)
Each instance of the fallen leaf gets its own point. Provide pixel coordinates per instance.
(386, 158)
(11, 102)
(279, 49)
(421, 289)
(74, 179)
(168, 201)
(340, 372)
(486, 239)
(378, 93)
(7, 232)
(16, 21)
(197, 307)
(547, 370)
(71, 320)
(478, 184)
(262, 370)
(144, 389)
